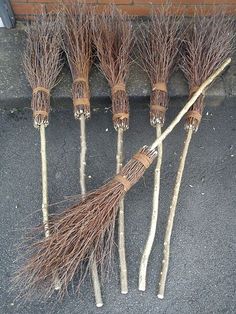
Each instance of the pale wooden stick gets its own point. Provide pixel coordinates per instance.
(96, 283)
(93, 267)
(83, 150)
(121, 222)
(44, 180)
(153, 226)
(45, 193)
(191, 101)
(172, 210)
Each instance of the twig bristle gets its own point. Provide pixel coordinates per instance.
(42, 62)
(114, 39)
(159, 40)
(209, 41)
(77, 43)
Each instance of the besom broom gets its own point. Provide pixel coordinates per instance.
(209, 41)
(114, 39)
(88, 226)
(42, 65)
(77, 43)
(158, 44)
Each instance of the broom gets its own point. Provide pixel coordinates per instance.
(207, 44)
(114, 39)
(77, 42)
(41, 61)
(88, 226)
(159, 42)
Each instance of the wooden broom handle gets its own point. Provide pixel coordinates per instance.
(191, 101)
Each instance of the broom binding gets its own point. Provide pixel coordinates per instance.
(41, 89)
(81, 96)
(161, 86)
(158, 104)
(143, 158)
(120, 109)
(40, 104)
(126, 183)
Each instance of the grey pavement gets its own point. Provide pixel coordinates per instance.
(201, 277)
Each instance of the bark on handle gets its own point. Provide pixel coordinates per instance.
(44, 180)
(93, 266)
(153, 226)
(169, 227)
(121, 219)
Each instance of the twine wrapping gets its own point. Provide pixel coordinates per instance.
(118, 87)
(126, 183)
(194, 114)
(84, 101)
(41, 89)
(161, 86)
(158, 108)
(80, 79)
(143, 158)
(44, 113)
(120, 115)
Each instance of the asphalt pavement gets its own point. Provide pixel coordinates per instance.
(201, 276)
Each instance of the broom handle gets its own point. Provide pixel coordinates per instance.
(121, 222)
(83, 150)
(45, 193)
(169, 227)
(93, 267)
(44, 180)
(191, 101)
(153, 226)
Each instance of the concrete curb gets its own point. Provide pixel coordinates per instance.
(15, 90)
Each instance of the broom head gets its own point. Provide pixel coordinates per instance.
(80, 234)
(77, 43)
(114, 40)
(41, 62)
(209, 41)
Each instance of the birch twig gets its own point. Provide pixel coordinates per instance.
(121, 224)
(172, 210)
(153, 226)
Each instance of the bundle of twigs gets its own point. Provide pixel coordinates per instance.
(158, 44)
(42, 65)
(114, 39)
(208, 42)
(88, 226)
(77, 42)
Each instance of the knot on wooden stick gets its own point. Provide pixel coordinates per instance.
(120, 115)
(41, 89)
(118, 87)
(123, 180)
(194, 114)
(161, 86)
(143, 159)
